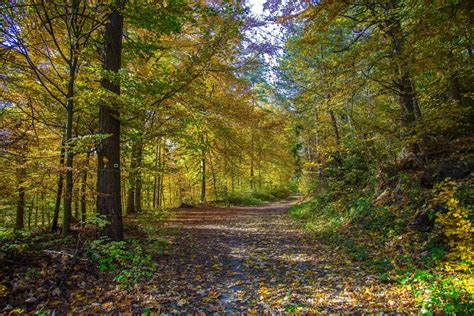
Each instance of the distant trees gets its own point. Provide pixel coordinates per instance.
(51, 38)
(149, 94)
(368, 83)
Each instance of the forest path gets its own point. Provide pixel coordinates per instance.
(257, 259)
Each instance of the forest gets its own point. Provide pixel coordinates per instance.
(236, 157)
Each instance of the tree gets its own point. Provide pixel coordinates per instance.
(108, 183)
(64, 31)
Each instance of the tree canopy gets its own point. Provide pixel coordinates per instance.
(114, 112)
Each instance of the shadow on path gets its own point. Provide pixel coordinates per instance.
(256, 259)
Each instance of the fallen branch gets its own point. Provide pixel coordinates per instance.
(63, 253)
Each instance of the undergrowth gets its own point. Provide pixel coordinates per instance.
(376, 227)
(127, 261)
(256, 197)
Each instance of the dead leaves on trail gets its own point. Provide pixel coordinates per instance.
(239, 260)
(257, 260)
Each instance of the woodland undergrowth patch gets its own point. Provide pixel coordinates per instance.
(256, 197)
(379, 227)
(40, 266)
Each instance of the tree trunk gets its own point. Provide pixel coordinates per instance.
(20, 207)
(76, 204)
(406, 100)
(69, 152)
(108, 183)
(84, 190)
(132, 180)
(369, 101)
(252, 185)
(59, 192)
(334, 126)
(214, 178)
(138, 180)
(42, 210)
(36, 204)
(456, 89)
(134, 196)
(406, 93)
(318, 141)
(156, 182)
(203, 179)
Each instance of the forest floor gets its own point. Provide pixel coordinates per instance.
(257, 259)
(241, 259)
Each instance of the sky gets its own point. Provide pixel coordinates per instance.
(257, 6)
(267, 34)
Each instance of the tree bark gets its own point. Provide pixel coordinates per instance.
(59, 192)
(134, 196)
(108, 183)
(252, 185)
(68, 194)
(203, 179)
(456, 89)
(138, 178)
(132, 182)
(334, 126)
(84, 190)
(318, 141)
(406, 99)
(20, 208)
(156, 182)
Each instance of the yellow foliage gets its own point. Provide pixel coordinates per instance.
(456, 225)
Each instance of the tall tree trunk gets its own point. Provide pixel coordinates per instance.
(369, 100)
(76, 203)
(30, 212)
(20, 207)
(232, 180)
(42, 210)
(406, 99)
(203, 178)
(68, 194)
(334, 126)
(214, 178)
(36, 204)
(406, 93)
(59, 192)
(252, 185)
(108, 183)
(132, 180)
(456, 88)
(156, 182)
(84, 190)
(134, 196)
(131, 198)
(309, 154)
(139, 180)
(318, 141)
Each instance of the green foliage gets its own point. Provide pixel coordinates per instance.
(98, 220)
(126, 260)
(438, 293)
(243, 198)
(257, 197)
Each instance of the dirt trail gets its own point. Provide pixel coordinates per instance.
(257, 259)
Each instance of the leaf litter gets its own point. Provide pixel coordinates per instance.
(221, 260)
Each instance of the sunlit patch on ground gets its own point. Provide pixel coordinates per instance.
(255, 259)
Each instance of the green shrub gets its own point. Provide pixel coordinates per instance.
(438, 293)
(242, 198)
(126, 260)
(280, 192)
